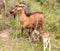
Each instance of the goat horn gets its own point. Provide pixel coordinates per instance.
(21, 5)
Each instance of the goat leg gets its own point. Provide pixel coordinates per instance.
(30, 31)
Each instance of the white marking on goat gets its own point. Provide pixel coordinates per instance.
(46, 41)
(19, 8)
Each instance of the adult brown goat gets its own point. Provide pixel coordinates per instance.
(28, 20)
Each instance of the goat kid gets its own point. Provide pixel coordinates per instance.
(46, 40)
(35, 35)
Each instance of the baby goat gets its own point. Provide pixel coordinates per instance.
(46, 40)
(45, 37)
(35, 35)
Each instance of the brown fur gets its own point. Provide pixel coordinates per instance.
(30, 21)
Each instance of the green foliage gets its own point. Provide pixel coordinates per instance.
(50, 8)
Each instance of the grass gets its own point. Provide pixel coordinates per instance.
(23, 44)
(52, 25)
(20, 45)
(55, 43)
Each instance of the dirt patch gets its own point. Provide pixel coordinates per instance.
(4, 35)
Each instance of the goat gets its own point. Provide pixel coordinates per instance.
(35, 35)
(28, 20)
(46, 40)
